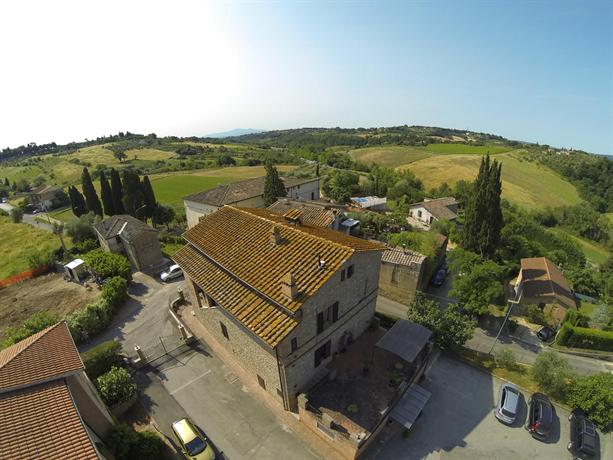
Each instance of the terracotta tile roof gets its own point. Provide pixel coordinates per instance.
(42, 422)
(42, 356)
(400, 256)
(122, 223)
(239, 191)
(541, 278)
(312, 214)
(233, 247)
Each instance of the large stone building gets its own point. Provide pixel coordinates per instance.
(48, 406)
(132, 238)
(247, 194)
(281, 295)
(45, 197)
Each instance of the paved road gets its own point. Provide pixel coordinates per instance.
(458, 423)
(483, 340)
(29, 218)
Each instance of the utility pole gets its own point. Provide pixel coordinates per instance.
(506, 317)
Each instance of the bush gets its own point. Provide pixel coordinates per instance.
(85, 246)
(115, 292)
(82, 228)
(536, 315)
(116, 386)
(107, 265)
(583, 337)
(506, 358)
(38, 259)
(16, 215)
(35, 323)
(128, 444)
(576, 318)
(101, 358)
(594, 395)
(552, 374)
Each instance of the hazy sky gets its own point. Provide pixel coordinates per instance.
(535, 71)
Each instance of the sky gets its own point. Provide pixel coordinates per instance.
(532, 71)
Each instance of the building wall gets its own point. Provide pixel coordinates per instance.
(193, 211)
(252, 353)
(307, 191)
(143, 250)
(425, 214)
(91, 408)
(400, 282)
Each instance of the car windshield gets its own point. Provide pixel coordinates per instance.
(545, 412)
(509, 401)
(195, 446)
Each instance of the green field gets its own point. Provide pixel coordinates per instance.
(20, 240)
(390, 156)
(460, 149)
(527, 184)
(594, 252)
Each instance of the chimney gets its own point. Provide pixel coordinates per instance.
(293, 217)
(289, 288)
(321, 264)
(275, 236)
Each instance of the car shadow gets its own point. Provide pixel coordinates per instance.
(554, 434)
(218, 453)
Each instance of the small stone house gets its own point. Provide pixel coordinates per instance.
(132, 238)
(44, 197)
(431, 210)
(48, 406)
(282, 296)
(542, 283)
(402, 274)
(247, 193)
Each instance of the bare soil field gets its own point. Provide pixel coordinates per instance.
(49, 293)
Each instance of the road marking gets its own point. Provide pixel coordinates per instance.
(190, 382)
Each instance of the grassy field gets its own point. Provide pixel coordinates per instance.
(610, 216)
(18, 241)
(530, 185)
(594, 252)
(390, 156)
(461, 149)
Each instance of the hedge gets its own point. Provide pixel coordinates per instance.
(102, 358)
(128, 444)
(583, 337)
(116, 386)
(107, 264)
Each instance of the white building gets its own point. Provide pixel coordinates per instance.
(430, 210)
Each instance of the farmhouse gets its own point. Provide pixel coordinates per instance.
(44, 197)
(284, 297)
(402, 274)
(247, 193)
(132, 238)
(540, 282)
(425, 213)
(50, 409)
(315, 213)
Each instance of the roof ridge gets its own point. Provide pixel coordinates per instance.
(292, 227)
(41, 334)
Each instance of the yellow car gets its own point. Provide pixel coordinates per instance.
(193, 444)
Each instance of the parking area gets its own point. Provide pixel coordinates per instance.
(458, 423)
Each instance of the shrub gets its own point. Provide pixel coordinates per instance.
(506, 358)
(583, 337)
(536, 315)
(128, 444)
(16, 215)
(35, 323)
(107, 264)
(576, 318)
(85, 246)
(116, 386)
(553, 374)
(38, 259)
(82, 228)
(115, 291)
(101, 358)
(593, 394)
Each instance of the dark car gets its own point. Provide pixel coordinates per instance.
(439, 277)
(540, 416)
(546, 334)
(583, 437)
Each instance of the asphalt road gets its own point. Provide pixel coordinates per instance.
(483, 341)
(458, 423)
(29, 218)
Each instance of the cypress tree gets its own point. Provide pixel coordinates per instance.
(149, 198)
(91, 197)
(132, 194)
(106, 195)
(6, 182)
(116, 192)
(77, 202)
(14, 187)
(273, 185)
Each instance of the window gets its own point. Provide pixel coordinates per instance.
(343, 274)
(350, 270)
(312, 195)
(322, 353)
(224, 330)
(262, 382)
(418, 213)
(294, 344)
(327, 317)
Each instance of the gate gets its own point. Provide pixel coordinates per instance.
(166, 345)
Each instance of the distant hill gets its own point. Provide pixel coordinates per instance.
(235, 133)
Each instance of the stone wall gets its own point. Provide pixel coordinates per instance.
(400, 282)
(91, 408)
(308, 191)
(144, 250)
(193, 211)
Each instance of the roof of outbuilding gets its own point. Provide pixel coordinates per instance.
(405, 339)
(232, 257)
(43, 422)
(400, 256)
(542, 278)
(236, 192)
(44, 189)
(312, 213)
(440, 207)
(47, 354)
(122, 224)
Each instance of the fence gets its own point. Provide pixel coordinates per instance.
(28, 274)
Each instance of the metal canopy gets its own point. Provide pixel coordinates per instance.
(411, 404)
(405, 339)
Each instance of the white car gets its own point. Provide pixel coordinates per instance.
(173, 272)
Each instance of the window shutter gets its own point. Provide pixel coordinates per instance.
(335, 312)
(320, 322)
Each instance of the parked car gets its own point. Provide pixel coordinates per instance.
(191, 442)
(540, 416)
(508, 404)
(439, 277)
(583, 436)
(173, 272)
(546, 334)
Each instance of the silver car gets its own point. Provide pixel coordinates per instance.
(173, 272)
(508, 404)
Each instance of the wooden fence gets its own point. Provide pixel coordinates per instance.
(28, 274)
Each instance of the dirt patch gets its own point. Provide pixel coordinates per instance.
(49, 293)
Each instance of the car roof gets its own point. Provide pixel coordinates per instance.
(184, 430)
(510, 401)
(173, 267)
